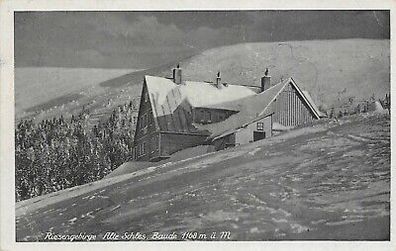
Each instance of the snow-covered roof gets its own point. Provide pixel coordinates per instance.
(172, 104)
(254, 108)
(198, 94)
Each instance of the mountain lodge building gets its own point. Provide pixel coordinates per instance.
(175, 114)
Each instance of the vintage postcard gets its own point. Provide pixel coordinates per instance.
(195, 125)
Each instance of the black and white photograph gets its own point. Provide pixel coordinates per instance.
(203, 125)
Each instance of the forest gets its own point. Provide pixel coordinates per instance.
(59, 153)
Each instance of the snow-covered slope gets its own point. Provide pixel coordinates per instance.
(328, 69)
(333, 71)
(329, 181)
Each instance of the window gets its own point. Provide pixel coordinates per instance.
(201, 115)
(144, 121)
(154, 145)
(209, 116)
(260, 126)
(145, 97)
(143, 148)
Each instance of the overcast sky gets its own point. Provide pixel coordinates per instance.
(145, 39)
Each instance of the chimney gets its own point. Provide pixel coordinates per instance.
(218, 80)
(265, 81)
(177, 75)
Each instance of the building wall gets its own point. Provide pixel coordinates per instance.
(145, 121)
(224, 142)
(173, 142)
(245, 135)
(147, 147)
(210, 115)
(290, 109)
(146, 141)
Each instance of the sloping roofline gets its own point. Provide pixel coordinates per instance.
(313, 107)
(265, 113)
(271, 93)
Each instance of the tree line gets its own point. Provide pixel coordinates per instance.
(353, 107)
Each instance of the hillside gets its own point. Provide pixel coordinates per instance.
(39, 85)
(332, 70)
(329, 181)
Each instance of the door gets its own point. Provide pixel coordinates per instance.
(258, 135)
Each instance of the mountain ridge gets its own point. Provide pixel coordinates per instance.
(333, 71)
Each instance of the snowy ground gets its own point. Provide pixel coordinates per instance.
(330, 181)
